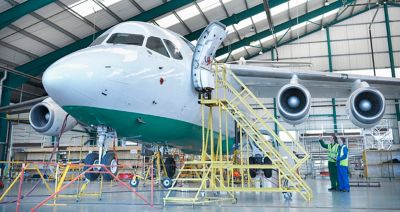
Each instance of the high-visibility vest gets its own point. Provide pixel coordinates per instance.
(344, 162)
(332, 152)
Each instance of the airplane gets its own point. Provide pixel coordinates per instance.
(138, 80)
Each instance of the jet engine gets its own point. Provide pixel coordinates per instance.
(294, 102)
(365, 105)
(47, 118)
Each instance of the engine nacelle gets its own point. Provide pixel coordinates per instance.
(47, 118)
(294, 102)
(366, 106)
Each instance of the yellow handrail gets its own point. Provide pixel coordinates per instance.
(253, 127)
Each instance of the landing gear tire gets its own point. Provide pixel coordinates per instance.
(170, 167)
(167, 182)
(134, 182)
(91, 159)
(234, 200)
(287, 195)
(111, 163)
(253, 172)
(267, 172)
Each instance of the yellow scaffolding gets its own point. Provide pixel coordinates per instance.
(216, 171)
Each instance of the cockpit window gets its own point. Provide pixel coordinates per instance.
(125, 38)
(99, 40)
(175, 53)
(156, 45)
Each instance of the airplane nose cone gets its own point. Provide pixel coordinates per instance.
(65, 80)
(79, 78)
(52, 79)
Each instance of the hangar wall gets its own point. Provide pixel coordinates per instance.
(351, 53)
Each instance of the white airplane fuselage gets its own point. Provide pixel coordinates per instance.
(138, 92)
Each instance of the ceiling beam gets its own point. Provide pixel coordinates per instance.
(39, 65)
(284, 26)
(235, 18)
(265, 50)
(20, 10)
(46, 21)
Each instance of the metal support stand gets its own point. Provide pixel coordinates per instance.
(216, 172)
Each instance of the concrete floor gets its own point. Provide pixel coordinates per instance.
(115, 198)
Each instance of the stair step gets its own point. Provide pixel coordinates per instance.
(192, 170)
(189, 179)
(179, 199)
(184, 189)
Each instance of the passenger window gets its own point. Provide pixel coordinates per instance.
(99, 40)
(156, 45)
(175, 53)
(125, 38)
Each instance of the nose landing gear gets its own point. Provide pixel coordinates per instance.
(109, 159)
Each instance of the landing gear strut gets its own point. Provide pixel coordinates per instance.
(107, 158)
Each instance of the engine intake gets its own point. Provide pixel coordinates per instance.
(366, 106)
(294, 102)
(47, 118)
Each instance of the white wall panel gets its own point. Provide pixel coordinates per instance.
(396, 56)
(378, 29)
(340, 47)
(360, 61)
(365, 17)
(359, 46)
(396, 43)
(380, 44)
(357, 31)
(300, 50)
(382, 60)
(285, 51)
(338, 32)
(320, 64)
(315, 37)
(340, 62)
(318, 49)
(394, 13)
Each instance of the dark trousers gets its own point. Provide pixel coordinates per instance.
(333, 174)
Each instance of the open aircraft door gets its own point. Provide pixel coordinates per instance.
(207, 45)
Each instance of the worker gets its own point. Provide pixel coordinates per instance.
(342, 161)
(332, 155)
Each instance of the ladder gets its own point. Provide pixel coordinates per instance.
(199, 182)
(211, 174)
(238, 106)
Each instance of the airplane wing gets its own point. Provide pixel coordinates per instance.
(266, 81)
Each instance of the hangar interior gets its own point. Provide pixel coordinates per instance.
(347, 37)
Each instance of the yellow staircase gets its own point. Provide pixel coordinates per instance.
(233, 97)
(252, 122)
